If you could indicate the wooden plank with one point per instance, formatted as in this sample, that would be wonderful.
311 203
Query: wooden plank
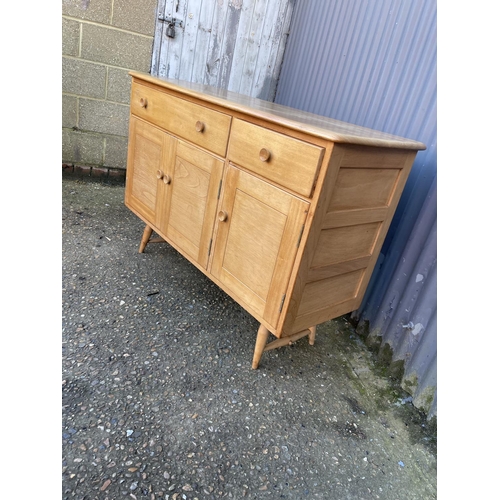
229 42
353 217
213 62
204 26
356 157
324 272
282 31
244 39
268 46
252 46
157 40
345 243
322 294
322 315
359 188
187 37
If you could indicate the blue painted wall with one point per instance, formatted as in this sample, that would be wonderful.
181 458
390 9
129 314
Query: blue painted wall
374 64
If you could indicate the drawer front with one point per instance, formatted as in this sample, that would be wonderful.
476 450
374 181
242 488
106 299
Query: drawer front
285 160
202 126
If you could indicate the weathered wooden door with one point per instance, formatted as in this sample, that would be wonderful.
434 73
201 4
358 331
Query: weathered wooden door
236 45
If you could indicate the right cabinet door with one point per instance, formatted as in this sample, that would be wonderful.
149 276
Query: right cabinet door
257 237
193 178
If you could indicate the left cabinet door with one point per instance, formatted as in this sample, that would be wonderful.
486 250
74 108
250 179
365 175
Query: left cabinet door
174 187
147 164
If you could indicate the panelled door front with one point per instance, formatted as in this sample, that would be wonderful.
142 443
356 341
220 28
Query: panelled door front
193 183
147 159
259 227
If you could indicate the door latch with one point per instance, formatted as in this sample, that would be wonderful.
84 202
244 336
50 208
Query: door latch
171 22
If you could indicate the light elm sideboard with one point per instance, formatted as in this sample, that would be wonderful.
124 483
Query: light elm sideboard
284 210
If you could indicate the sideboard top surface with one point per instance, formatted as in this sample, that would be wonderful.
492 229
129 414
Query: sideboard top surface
316 125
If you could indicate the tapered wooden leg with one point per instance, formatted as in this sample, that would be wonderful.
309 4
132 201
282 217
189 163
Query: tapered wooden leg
260 344
312 335
145 238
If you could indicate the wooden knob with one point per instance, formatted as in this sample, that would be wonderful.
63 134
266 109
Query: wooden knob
222 216
167 179
143 102
264 154
200 126
159 174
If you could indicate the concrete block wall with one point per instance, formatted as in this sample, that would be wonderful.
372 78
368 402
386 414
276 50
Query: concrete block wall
101 41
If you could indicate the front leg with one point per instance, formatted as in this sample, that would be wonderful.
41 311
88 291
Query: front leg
260 344
312 334
145 238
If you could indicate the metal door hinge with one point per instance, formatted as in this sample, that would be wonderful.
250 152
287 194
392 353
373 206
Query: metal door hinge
282 302
300 235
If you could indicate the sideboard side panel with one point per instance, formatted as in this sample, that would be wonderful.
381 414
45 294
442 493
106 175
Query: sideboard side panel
323 192
360 207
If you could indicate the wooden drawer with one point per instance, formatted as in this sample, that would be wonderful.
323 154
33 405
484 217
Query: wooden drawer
202 126
290 162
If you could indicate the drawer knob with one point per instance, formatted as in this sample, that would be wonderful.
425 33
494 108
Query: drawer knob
159 174
222 216
143 102
167 179
200 126
264 154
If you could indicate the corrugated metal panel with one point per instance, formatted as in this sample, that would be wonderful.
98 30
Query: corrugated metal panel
374 64
403 314
232 44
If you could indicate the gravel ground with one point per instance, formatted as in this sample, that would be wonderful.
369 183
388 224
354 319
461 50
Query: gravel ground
160 401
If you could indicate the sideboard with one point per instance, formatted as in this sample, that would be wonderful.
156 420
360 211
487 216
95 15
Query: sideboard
284 210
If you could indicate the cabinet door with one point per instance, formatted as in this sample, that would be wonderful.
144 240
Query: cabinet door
191 201
258 231
147 161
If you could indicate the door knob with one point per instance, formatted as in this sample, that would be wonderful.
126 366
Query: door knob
264 154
